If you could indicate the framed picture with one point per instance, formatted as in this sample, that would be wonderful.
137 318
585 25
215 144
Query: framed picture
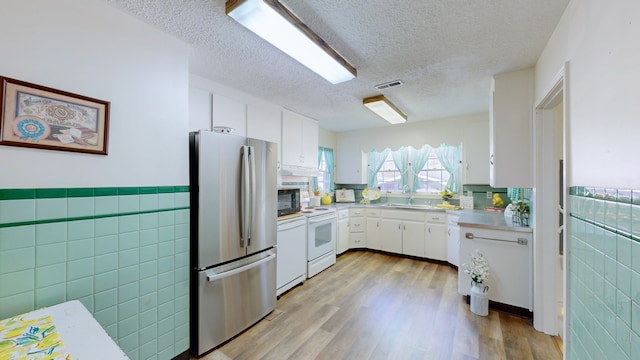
40 117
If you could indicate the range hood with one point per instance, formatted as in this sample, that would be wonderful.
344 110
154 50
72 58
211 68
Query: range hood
288 170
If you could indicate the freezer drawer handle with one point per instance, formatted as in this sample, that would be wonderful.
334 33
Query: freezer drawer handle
521 241
240 269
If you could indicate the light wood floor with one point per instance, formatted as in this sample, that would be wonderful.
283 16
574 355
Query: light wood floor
376 306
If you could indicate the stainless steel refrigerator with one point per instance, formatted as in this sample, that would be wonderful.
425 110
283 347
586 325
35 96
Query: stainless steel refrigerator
233 182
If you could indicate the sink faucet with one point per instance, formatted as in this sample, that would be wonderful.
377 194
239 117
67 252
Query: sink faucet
407 190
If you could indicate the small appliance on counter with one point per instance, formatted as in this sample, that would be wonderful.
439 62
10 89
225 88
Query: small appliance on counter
345 196
288 201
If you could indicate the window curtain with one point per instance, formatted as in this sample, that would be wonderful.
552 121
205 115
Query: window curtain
449 157
419 158
376 160
401 159
328 157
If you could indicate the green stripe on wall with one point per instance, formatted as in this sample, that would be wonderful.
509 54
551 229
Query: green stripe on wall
92 217
25 194
17 194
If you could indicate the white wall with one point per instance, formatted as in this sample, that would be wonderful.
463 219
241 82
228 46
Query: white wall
90 48
327 139
470 130
599 40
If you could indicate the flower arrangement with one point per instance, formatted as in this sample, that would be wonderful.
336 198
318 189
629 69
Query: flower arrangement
367 195
446 194
478 270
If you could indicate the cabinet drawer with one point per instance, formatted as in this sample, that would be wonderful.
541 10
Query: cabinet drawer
357 240
436 217
343 214
356 224
373 212
356 212
413 215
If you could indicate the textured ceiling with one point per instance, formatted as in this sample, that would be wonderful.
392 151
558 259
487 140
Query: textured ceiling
445 52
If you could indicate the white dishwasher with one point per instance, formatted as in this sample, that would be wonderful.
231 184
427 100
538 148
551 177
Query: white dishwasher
291 267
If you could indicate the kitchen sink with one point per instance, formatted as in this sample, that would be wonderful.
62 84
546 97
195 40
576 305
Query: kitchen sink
410 206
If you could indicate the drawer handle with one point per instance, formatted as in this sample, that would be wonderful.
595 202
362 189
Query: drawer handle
520 241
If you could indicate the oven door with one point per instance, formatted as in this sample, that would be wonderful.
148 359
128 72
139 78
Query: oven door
321 235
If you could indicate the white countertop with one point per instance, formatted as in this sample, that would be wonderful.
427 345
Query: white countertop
489 220
81 335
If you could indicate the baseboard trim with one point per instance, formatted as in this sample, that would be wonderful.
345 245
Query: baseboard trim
506 308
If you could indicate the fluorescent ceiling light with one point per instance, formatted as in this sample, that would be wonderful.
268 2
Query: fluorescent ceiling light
273 22
385 109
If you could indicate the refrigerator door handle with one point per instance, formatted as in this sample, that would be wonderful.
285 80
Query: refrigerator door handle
240 269
252 210
245 223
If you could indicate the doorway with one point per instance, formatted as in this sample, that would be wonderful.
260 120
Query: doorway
550 194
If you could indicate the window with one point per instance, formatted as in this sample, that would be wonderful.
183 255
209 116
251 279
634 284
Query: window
389 177
324 179
433 177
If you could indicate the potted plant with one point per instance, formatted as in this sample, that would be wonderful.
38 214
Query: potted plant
521 210
478 270
446 195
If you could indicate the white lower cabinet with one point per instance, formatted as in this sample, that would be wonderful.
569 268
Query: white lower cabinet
509 254
435 237
372 230
453 240
403 232
413 238
342 244
291 264
391 236
410 232
357 237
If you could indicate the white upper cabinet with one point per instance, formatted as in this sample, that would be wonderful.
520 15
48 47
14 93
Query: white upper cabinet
475 165
299 141
351 164
510 132
230 113
264 123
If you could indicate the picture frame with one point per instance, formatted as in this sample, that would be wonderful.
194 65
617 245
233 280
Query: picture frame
36 116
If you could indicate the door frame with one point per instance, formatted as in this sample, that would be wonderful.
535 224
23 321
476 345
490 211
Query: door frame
544 193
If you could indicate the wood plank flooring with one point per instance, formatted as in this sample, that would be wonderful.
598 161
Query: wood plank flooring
376 306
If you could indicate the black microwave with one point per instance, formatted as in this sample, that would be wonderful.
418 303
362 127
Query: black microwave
288 201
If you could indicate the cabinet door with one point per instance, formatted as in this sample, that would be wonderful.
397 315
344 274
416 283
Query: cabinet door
391 236
343 236
436 242
510 135
356 224
413 240
373 234
291 139
310 134
264 122
476 153
357 240
453 245
351 164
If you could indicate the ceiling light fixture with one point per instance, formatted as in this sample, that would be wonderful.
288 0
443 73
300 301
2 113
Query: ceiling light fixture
385 109
273 22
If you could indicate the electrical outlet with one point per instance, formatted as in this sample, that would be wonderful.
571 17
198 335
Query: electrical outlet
489 195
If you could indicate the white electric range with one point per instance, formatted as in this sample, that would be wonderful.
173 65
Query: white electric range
321 238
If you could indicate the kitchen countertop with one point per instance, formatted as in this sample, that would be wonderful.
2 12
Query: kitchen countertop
489 220
468 218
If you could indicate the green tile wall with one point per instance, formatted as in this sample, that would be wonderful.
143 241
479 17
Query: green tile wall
123 252
604 274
